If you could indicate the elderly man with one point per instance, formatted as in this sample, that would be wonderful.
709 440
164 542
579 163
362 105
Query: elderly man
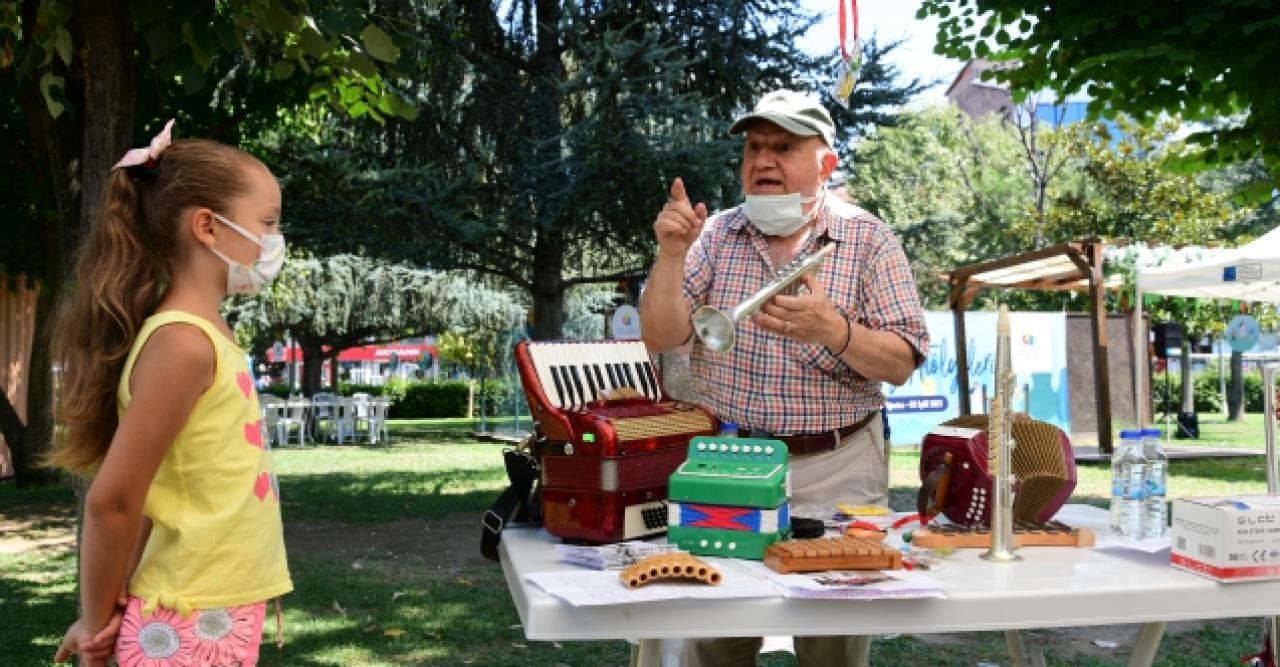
807 368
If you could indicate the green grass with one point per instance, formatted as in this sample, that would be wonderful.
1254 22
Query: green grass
1216 431
406 609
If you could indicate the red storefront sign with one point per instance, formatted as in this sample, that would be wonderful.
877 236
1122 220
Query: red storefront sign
382 353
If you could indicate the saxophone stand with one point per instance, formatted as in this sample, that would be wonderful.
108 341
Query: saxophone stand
1271 634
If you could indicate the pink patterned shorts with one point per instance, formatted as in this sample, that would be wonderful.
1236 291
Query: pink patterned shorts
207 638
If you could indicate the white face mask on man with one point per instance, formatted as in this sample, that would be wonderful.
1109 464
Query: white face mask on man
778 215
251 278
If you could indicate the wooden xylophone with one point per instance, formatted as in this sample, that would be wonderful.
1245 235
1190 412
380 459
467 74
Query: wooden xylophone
1025 534
831 553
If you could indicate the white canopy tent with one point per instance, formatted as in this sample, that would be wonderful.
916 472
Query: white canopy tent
1248 273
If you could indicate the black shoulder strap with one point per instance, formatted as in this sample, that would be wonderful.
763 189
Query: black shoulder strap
519 502
928 502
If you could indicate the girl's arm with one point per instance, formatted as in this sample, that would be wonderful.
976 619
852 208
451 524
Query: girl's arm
103 644
176 366
140 546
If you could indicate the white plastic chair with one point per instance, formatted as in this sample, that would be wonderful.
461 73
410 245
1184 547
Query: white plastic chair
273 412
322 404
377 420
361 412
296 416
342 421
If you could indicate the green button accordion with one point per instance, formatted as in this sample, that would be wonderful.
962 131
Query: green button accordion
730 497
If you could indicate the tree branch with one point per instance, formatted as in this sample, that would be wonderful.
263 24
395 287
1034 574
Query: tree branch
509 273
612 277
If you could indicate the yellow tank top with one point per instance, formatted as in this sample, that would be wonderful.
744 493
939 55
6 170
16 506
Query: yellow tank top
217 539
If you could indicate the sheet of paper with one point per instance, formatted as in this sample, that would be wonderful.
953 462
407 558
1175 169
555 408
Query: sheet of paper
1149 545
592 588
900 584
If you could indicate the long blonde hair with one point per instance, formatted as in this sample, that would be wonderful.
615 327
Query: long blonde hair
122 269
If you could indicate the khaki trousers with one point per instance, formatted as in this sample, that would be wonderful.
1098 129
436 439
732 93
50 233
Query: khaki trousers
856 472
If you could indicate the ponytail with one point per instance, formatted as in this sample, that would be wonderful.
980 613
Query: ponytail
121 273
117 286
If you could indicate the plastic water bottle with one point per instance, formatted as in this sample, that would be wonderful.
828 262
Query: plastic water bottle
1133 487
1157 479
1128 438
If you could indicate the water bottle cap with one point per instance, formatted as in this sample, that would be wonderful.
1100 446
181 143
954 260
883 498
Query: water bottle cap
1130 434
1154 432
729 427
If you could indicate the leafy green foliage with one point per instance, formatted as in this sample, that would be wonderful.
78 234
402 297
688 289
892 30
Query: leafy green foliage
1208 394
429 400
1208 61
342 48
549 134
462 350
948 187
349 297
1126 194
959 191
330 304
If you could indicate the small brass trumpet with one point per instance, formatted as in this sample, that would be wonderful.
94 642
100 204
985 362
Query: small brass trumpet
717 329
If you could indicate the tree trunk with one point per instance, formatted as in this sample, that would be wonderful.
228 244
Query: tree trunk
107 38
80 146
1235 392
1188 385
547 113
333 370
312 366
548 286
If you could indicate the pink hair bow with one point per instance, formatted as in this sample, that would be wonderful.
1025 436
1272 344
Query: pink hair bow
148 155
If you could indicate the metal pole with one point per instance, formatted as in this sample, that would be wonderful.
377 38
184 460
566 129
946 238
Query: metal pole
1222 378
1269 423
1140 358
288 356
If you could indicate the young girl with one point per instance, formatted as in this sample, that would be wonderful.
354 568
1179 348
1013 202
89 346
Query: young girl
182 542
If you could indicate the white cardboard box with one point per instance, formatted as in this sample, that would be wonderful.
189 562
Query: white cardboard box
1228 538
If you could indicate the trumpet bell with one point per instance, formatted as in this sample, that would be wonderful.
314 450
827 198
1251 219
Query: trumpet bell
714 328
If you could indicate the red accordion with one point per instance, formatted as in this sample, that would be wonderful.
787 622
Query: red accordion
956 481
608 438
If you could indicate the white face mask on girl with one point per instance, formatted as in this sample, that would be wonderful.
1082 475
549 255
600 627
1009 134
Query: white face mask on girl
778 215
251 278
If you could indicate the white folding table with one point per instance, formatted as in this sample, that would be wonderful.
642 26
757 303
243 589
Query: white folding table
1052 587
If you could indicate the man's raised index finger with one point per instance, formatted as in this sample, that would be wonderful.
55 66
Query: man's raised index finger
677 190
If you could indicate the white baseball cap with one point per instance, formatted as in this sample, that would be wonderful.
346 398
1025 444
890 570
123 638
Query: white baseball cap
797 113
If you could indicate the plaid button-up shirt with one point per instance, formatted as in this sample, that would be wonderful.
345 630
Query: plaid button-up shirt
783 385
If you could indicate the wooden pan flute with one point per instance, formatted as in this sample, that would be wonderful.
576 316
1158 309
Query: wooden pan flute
672 566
